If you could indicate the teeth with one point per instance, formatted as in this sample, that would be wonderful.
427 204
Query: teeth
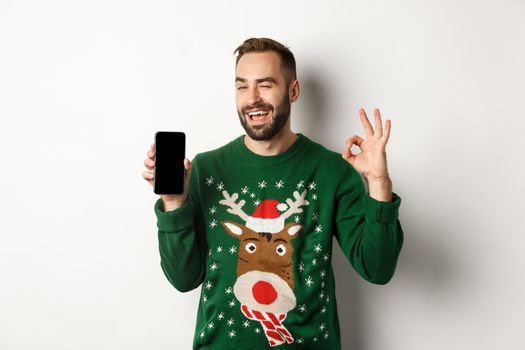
256 113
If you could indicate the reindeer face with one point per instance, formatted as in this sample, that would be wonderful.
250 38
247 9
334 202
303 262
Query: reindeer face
264 267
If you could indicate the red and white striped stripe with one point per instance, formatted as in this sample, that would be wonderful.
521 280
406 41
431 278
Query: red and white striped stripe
276 333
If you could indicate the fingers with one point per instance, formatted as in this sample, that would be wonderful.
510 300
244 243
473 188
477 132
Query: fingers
151 152
354 140
148 176
378 130
369 131
149 163
388 126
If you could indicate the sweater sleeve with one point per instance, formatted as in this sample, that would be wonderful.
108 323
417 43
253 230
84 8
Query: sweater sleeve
181 239
368 230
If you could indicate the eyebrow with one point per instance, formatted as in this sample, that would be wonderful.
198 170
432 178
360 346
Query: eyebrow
250 239
280 240
261 80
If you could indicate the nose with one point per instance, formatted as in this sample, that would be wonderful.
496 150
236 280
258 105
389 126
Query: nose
253 96
264 293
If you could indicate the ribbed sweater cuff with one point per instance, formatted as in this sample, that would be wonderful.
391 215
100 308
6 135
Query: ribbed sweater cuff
174 220
383 212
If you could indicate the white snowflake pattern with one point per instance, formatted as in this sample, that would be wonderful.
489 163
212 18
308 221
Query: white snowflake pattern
202 334
301 266
211 325
245 190
252 195
312 185
246 324
314 261
233 249
220 187
323 284
262 184
309 281
315 216
326 257
300 341
279 184
319 228
231 303
220 316
204 298
314 197
322 326
296 219
209 285
214 266
300 184
323 274
213 210
228 290
315 339
232 334
257 330
318 248
325 335
256 202
209 181
213 223
219 249
323 310
328 299
321 295
230 322
302 308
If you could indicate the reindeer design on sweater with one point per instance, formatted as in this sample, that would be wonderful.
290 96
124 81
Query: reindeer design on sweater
265 281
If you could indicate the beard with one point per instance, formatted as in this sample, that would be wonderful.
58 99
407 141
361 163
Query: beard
280 116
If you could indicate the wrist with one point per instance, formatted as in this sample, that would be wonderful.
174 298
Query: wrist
172 204
380 189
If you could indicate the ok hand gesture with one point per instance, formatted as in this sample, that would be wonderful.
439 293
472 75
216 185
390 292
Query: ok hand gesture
371 162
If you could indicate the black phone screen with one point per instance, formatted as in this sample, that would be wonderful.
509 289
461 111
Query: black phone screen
169 162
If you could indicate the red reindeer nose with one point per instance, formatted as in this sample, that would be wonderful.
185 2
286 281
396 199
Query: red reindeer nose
264 293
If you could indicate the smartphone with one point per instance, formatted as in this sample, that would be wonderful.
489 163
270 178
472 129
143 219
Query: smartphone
168 175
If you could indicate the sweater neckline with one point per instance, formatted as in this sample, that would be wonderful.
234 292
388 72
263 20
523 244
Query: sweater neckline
257 159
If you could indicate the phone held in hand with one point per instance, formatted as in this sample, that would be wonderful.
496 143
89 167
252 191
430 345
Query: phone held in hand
168 176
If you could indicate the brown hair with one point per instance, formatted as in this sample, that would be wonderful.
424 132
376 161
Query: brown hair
267 44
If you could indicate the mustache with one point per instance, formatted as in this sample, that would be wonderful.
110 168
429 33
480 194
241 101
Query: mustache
260 105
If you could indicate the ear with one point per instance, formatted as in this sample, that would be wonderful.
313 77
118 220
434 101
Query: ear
233 228
295 89
293 229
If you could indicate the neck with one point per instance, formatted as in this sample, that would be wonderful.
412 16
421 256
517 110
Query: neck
278 144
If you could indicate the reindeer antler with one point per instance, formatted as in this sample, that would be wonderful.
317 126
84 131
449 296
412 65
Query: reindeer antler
295 205
235 208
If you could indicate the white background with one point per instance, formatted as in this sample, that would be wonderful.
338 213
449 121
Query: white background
84 85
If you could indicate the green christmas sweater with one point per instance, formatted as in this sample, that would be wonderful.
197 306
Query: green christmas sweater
256 233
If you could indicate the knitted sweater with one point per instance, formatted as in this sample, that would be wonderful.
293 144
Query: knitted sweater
256 232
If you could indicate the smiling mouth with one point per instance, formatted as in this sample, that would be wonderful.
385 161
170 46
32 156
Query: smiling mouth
259 115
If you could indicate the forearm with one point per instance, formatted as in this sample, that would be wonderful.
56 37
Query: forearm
379 250
181 249
182 261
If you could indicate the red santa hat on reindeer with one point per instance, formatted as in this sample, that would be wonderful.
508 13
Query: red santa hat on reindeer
267 217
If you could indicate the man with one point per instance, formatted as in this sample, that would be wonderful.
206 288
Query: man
256 221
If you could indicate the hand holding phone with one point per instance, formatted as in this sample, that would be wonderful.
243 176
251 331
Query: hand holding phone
168 171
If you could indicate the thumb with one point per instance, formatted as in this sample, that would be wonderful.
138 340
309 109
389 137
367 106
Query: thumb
187 164
187 167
